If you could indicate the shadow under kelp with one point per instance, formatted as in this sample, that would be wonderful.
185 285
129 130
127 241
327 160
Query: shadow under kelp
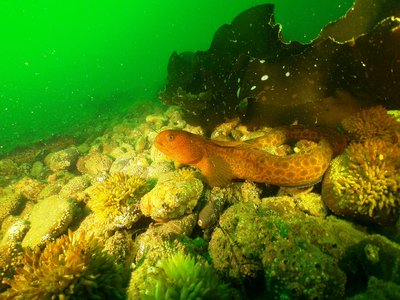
250 72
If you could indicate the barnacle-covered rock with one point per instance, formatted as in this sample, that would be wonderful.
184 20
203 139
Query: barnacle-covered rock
311 203
62 160
158 237
75 187
130 164
29 188
156 169
94 163
174 195
10 249
363 183
49 218
10 203
156 120
372 123
72 267
51 190
218 198
120 247
15 233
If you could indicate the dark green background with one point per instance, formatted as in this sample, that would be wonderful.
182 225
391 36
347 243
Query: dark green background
65 63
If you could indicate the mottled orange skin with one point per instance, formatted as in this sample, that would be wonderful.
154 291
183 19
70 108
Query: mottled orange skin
220 162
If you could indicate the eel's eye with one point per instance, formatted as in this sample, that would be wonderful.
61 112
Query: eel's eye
170 137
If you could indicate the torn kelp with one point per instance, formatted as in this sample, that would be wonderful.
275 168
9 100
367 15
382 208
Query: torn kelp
250 72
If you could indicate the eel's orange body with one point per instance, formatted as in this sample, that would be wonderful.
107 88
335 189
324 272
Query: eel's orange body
220 162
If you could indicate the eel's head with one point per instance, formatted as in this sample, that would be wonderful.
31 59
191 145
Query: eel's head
181 146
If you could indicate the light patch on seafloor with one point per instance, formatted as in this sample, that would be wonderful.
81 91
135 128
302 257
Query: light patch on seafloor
253 88
264 77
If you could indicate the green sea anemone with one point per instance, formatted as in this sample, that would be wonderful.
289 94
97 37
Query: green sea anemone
372 123
72 267
180 276
364 182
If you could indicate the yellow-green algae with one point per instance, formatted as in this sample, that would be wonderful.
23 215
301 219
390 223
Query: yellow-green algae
10 203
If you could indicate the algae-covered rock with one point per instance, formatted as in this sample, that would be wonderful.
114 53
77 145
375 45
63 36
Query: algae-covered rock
38 170
374 256
15 233
75 187
379 290
8 171
311 203
302 272
94 163
174 195
296 254
130 165
10 203
29 188
120 247
49 218
62 160
157 243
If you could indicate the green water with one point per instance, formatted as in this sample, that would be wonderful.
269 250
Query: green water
65 64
